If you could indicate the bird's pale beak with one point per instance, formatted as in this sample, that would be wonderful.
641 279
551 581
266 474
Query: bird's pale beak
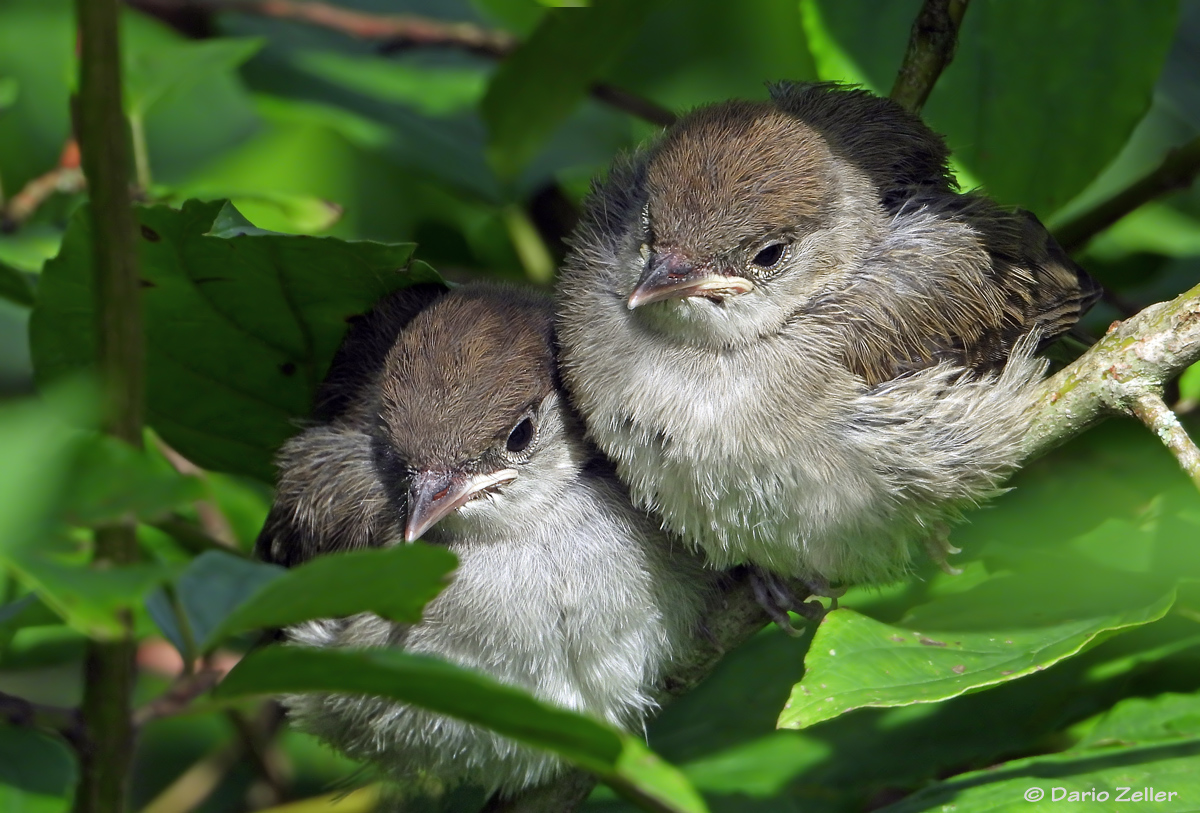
434 495
668 276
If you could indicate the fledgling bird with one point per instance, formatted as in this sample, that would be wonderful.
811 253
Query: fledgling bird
442 418
801 346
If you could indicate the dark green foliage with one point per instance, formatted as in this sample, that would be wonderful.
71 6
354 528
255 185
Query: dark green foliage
1067 654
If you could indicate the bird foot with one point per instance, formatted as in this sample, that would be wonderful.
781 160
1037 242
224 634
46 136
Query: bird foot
938 546
775 595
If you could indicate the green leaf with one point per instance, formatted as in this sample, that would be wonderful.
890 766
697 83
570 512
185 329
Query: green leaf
37 772
240 324
1004 629
442 687
160 68
224 595
15 285
1154 228
542 82
994 102
1189 383
432 90
112 481
39 443
1140 720
1170 769
212 587
92 601
9 90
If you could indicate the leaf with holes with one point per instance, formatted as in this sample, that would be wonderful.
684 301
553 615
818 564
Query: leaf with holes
241 324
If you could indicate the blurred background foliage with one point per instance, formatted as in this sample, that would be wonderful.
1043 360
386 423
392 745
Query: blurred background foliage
479 153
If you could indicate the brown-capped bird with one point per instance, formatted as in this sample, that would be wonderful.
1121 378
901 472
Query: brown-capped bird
441 418
800 345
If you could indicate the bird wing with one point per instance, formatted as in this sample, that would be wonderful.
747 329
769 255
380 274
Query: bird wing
957 279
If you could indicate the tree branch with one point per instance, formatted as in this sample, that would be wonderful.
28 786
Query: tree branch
21 713
1177 171
1123 374
931 47
398 32
109 667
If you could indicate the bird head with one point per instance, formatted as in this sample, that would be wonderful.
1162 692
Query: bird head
747 214
471 431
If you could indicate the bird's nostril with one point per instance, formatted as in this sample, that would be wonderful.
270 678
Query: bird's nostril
441 493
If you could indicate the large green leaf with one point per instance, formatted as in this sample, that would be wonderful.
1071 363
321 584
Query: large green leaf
93 601
1139 721
620 759
540 85
240 324
1004 629
154 70
1158 777
224 595
37 772
1028 128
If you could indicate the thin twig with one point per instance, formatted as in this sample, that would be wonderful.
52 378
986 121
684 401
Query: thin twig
21 713
110 670
931 47
67 178
1152 410
212 518
179 696
1177 171
398 32
256 738
191 788
1135 359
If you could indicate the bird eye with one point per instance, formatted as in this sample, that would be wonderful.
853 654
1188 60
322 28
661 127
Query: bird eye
520 437
770 255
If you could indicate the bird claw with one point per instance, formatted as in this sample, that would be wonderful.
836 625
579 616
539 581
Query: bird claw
777 598
938 546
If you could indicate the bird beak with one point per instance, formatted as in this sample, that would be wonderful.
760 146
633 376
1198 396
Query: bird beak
434 495
669 276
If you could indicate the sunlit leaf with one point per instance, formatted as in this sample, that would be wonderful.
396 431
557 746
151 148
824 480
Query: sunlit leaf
1006 628
1046 783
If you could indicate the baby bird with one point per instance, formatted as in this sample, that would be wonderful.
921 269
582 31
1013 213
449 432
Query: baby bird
802 348
442 419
